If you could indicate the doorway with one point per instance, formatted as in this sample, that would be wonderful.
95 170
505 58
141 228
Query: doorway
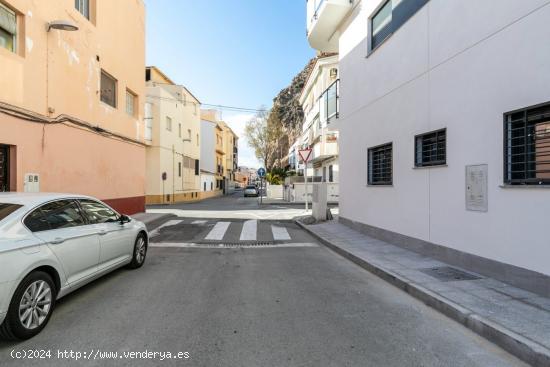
4 168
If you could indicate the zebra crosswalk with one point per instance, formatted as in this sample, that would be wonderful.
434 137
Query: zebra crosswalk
210 232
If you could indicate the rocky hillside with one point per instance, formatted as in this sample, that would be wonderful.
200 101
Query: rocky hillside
286 106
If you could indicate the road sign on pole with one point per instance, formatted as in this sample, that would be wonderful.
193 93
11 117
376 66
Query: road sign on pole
261 172
305 154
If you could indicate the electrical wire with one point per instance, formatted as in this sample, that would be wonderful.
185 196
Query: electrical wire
63 119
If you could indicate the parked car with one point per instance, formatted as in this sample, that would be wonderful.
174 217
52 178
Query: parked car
250 190
52 244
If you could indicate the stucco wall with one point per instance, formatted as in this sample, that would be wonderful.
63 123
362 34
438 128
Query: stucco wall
71 160
168 148
457 65
69 82
208 146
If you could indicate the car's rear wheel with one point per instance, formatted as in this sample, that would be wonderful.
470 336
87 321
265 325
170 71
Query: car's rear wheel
140 252
30 308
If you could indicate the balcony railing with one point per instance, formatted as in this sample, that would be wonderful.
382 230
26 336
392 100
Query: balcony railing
329 103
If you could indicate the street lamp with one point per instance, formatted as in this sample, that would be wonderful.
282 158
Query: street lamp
62 25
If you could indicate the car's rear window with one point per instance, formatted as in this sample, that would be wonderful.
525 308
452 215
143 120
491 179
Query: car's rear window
7 209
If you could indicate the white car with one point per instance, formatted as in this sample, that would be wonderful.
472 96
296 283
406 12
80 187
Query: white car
250 191
52 244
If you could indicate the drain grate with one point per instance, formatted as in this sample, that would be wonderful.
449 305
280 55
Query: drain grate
238 244
448 274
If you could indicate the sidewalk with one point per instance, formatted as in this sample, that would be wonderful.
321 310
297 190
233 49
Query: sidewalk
516 320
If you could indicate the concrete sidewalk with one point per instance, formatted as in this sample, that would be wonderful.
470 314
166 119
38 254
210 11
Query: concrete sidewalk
516 320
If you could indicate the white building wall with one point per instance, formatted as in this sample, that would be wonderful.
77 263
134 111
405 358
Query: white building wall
208 182
208 146
457 65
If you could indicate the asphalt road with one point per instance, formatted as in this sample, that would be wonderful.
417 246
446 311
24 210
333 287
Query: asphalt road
291 303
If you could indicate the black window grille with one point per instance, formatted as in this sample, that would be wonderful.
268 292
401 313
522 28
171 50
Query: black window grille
431 149
527 146
380 170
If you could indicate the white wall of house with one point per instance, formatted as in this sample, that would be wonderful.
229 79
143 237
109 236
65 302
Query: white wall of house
458 65
208 182
208 146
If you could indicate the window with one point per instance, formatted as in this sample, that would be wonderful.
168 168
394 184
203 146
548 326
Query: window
189 134
380 170
7 209
130 103
211 186
527 146
8 29
204 186
330 173
97 212
179 169
108 89
389 17
324 174
197 168
179 130
168 123
198 140
36 222
83 6
431 149
55 215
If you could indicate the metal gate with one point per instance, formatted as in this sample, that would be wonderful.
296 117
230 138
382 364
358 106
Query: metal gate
4 170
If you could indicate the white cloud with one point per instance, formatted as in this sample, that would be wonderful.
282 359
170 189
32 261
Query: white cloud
246 153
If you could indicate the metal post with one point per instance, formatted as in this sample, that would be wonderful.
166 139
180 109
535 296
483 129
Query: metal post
306 186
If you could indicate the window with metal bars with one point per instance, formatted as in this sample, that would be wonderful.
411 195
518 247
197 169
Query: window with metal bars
527 146
380 171
431 149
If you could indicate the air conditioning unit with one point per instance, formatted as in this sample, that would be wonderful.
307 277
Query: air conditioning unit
334 73
32 182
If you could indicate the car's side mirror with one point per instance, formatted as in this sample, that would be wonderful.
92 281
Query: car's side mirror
124 219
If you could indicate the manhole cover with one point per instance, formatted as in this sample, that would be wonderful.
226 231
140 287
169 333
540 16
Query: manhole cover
449 274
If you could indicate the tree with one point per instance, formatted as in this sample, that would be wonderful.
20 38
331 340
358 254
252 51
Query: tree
262 136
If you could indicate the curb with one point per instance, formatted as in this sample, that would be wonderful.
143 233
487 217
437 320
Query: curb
521 347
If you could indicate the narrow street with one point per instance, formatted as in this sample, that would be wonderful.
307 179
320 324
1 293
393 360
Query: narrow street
235 291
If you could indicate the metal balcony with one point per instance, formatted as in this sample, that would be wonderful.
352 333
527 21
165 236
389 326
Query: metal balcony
323 18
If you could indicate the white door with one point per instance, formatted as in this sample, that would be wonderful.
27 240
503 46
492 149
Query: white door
76 245
117 242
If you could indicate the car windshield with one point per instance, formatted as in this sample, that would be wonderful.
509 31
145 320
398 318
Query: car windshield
251 187
7 209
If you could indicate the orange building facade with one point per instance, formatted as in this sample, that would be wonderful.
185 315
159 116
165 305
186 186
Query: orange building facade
72 87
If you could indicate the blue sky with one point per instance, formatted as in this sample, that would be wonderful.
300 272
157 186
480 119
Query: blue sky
237 53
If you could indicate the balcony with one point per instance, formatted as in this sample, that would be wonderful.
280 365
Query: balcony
323 18
326 148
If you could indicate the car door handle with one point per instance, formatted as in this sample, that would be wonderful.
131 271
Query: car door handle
57 241
102 233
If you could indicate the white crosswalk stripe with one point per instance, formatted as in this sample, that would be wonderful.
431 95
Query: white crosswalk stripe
249 231
280 233
218 231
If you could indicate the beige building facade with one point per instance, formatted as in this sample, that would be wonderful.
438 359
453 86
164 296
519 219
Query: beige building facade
173 125
71 96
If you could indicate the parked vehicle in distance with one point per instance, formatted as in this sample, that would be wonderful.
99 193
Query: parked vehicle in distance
250 190
52 244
